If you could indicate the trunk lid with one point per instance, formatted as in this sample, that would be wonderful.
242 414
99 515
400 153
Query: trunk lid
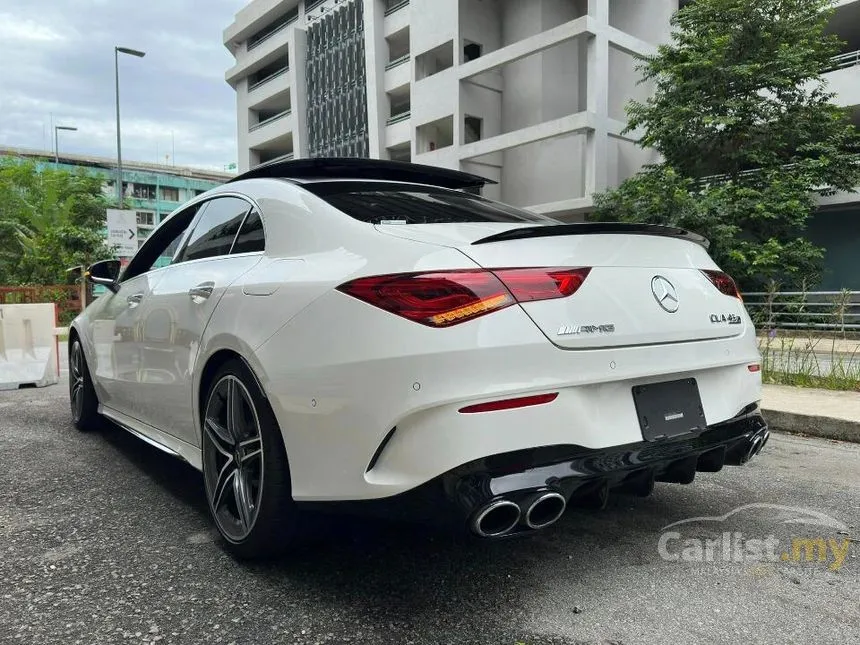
645 285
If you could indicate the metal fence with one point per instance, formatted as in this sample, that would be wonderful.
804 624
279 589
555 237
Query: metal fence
822 310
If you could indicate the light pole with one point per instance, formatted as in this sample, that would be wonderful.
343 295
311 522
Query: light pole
57 128
116 52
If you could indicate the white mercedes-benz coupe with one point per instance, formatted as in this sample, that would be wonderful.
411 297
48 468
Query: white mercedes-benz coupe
376 337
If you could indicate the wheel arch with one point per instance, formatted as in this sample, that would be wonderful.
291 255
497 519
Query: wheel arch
212 364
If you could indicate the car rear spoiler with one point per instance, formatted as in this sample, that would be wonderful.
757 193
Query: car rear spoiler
373 169
594 228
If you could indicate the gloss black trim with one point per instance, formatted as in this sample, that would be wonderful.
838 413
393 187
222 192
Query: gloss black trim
584 476
355 168
380 448
594 228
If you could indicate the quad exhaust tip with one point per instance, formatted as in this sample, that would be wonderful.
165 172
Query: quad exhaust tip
496 518
545 510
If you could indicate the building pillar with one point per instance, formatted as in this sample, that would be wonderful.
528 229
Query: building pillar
297 52
375 56
597 104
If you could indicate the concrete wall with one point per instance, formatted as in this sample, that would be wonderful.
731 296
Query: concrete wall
846 84
433 22
646 20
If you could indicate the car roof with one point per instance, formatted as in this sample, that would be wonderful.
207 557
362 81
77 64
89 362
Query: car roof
328 168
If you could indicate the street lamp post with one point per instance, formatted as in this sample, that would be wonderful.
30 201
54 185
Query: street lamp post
116 52
57 128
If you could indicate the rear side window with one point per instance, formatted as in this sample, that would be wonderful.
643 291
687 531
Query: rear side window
216 229
251 237
409 204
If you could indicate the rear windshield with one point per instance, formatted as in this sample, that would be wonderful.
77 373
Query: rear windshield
399 204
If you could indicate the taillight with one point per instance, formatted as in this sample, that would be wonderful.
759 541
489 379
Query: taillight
445 298
542 284
723 282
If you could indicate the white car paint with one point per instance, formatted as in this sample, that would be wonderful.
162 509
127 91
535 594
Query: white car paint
340 373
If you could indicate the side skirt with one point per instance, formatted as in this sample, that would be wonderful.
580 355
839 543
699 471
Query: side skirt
155 437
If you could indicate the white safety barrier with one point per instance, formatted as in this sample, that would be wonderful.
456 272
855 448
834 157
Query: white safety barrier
28 345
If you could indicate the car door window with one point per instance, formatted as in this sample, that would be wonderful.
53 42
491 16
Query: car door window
160 248
251 237
216 228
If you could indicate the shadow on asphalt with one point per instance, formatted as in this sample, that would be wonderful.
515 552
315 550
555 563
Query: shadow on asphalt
391 572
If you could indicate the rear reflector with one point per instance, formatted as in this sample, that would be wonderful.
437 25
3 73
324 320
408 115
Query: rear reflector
509 404
445 298
755 367
723 282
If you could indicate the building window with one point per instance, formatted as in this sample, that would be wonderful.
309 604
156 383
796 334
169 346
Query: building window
142 191
435 60
145 218
169 194
267 73
471 51
197 192
435 135
472 131
272 28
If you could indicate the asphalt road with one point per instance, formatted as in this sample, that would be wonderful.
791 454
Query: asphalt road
104 539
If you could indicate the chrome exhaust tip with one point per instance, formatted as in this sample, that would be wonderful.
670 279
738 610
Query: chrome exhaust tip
546 509
496 518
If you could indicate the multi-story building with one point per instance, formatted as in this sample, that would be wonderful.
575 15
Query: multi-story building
836 226
152 190
530 93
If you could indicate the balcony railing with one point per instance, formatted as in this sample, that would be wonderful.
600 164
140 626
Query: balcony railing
394 5
284 157
263 81
259 40
265 122
851 59
397 61
397 118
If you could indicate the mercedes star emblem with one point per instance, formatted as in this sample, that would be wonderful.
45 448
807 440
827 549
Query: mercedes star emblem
664 293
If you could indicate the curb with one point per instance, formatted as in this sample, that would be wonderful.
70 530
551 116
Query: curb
813 425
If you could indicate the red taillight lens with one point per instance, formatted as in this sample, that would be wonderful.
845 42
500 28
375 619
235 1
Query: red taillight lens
438 299
444 298
510 404
723 282
542 284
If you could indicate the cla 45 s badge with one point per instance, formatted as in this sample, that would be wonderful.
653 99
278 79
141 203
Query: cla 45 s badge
727 319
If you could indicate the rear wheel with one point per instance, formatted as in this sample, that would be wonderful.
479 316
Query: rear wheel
245 467
82 395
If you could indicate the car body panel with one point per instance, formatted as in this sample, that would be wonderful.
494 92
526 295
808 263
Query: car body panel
340 373
347 391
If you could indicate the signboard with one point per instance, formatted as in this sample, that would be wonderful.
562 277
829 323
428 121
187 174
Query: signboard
122 231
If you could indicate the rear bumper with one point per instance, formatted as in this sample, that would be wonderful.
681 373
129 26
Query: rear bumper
583 476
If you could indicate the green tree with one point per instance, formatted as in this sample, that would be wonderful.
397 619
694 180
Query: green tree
50 220
748 134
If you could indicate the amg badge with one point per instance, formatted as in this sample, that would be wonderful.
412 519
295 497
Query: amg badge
728 319
576 330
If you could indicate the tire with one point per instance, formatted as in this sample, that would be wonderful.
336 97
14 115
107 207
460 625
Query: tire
251 505
83 401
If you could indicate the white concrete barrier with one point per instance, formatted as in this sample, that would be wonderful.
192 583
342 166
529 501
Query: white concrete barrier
28 345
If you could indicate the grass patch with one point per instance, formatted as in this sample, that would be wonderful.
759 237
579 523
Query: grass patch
812 361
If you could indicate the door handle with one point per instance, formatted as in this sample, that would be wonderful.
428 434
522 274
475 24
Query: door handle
201 291
134 299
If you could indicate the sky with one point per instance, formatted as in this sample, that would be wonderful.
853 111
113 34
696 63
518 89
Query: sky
57 64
